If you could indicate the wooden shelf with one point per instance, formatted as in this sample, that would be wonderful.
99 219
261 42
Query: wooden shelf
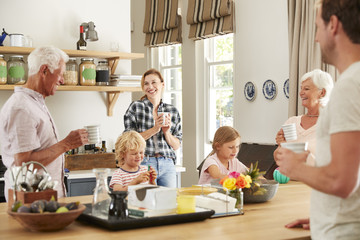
113 59
112 92
85 88
75 53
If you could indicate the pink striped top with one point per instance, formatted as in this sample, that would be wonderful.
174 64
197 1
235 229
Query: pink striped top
124 177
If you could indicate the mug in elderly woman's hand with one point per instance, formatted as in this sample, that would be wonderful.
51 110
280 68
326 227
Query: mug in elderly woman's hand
289 131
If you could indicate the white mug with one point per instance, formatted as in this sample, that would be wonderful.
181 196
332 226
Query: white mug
297 147
289 131
164 114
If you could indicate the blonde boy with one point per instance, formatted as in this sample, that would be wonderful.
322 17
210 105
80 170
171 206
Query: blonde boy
129 151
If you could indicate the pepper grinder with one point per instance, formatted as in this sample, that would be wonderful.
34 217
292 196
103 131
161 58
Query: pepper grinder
118 206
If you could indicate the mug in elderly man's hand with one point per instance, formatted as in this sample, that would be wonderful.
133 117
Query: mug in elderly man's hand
297 147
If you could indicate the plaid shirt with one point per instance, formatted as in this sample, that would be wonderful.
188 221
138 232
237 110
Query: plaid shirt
139 118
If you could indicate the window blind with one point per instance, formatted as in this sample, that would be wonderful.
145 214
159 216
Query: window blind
162 23
209 18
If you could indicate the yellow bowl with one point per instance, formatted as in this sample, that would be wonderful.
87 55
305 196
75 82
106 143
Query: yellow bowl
196 190
47 221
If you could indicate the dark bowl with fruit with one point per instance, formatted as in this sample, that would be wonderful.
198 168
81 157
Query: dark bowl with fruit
43 215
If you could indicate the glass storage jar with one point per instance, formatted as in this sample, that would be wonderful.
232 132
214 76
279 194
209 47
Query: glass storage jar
3 70
16 70
87 72
102 73
71 72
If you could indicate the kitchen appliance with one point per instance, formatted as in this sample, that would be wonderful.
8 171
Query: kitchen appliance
17 40
2 38
90 33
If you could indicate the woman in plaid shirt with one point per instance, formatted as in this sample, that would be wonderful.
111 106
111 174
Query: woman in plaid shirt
162 132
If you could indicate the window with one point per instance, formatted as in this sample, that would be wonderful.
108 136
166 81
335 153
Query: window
170 68
219 83
168 61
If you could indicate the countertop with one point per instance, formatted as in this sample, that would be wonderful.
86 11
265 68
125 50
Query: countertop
260 221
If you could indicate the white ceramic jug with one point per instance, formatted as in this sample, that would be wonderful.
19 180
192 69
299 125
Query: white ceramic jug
17 40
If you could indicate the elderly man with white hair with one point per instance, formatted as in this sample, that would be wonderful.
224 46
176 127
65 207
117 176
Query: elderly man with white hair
27 130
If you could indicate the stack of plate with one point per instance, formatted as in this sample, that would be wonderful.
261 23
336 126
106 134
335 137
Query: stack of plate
125 80
94 134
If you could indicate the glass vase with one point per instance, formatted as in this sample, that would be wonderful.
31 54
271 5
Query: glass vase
101 197
239 196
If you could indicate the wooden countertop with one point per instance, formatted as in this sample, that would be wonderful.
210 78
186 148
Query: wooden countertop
260 221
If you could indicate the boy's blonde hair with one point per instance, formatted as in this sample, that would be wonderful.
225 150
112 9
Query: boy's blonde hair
223 135
128 141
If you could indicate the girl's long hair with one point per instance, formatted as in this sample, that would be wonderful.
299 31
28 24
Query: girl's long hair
223 135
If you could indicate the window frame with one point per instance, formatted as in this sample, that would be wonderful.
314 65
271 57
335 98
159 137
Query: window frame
157 56
209 53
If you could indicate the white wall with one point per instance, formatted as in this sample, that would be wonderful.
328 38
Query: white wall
57 23
261 53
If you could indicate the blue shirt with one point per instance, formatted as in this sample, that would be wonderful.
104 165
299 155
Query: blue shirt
139 117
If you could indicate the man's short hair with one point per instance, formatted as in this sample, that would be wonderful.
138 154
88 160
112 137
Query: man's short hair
50 56
348 13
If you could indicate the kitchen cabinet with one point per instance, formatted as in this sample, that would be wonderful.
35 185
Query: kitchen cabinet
113 58
81 186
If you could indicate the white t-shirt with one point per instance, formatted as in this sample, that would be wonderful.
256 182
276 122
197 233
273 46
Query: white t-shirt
234 166
332 217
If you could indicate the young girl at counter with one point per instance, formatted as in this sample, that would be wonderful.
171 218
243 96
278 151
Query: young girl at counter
222 160
129 151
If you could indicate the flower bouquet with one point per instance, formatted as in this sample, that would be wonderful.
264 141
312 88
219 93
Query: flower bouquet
235 182
255 175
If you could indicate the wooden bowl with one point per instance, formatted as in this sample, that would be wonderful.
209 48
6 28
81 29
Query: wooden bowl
47 221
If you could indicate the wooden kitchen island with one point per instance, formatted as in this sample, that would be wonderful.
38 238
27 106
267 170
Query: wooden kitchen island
260 221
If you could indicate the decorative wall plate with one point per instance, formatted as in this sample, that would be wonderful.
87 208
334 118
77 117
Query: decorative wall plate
286 88
269 89
250 91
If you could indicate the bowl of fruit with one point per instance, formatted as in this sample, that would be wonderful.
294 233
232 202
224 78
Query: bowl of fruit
42 215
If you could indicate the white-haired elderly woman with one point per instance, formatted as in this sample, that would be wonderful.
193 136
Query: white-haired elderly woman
316 87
